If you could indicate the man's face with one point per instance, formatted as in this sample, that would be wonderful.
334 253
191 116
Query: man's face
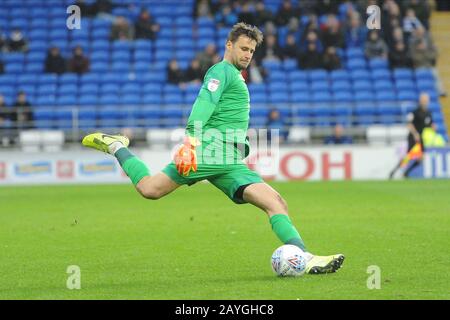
424 101
241 52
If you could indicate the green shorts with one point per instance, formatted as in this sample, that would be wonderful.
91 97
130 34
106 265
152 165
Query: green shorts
227 178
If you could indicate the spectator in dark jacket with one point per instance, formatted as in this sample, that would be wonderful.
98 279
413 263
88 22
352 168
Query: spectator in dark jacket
79 63
193 73
290 50
146 27
174 73
54 62
246 15
332 34
375 47
331 60
22 115
311 58
285 13
2 67
338 136
262 15
399 57
355 35
17 41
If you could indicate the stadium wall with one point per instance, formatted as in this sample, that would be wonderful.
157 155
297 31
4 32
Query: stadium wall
309 164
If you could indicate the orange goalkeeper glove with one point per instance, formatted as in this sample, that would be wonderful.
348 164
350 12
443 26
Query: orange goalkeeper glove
186 157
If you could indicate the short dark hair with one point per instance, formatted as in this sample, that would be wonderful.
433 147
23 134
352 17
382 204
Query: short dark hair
243 29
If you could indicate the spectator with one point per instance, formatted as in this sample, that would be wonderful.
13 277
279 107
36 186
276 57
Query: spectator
270 49
410 23
355 35
338 136
422 56
332 34
262 15
4 113
102 9
79 63
285 13
275 122
255 73
202 8
54 62
193 73
421 9
327 7
2 67
208 57
174 73
375 47
85 9
22 116
146 27
421 34
331 60
5 122
121 30
395 37
246 15
17 41
399 57
311 58
312 37
226 17
290 50
3 45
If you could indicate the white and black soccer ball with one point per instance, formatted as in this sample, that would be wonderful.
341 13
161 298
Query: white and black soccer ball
289 261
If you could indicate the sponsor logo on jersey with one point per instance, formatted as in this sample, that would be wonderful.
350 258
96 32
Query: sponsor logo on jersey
213 85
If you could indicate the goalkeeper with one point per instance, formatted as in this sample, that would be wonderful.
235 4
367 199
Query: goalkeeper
209 152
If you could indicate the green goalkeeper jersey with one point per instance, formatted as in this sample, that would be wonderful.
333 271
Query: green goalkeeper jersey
220 114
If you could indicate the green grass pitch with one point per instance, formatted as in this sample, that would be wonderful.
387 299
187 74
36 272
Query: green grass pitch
196 244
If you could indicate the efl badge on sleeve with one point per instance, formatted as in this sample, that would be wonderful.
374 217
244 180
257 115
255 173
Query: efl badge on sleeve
213 84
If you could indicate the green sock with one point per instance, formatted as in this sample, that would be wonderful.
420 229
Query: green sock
132 165
285 231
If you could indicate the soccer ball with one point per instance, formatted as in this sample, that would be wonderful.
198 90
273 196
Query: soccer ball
289 261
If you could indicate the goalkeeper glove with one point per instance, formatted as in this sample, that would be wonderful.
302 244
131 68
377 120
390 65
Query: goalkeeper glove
186 156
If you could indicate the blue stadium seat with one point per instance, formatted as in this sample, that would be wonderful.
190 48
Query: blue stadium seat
99 56
152 99
99 66
89 88
297 86
361 96
424 73
322 97
297 97
341 85
278 87
90 78
362 85
45 100
173 99
343 96
386 95
402 74
426 84
378 63
142 55
389 109
356 64
318 75
381 85
320 86
337 75
256 87
29 78
88 100
131 89
278 97
67 89
130 99
407 96
47 89
357 75
352 53
298 75
405 85
109 88
67 100
381 74
68 78
38 57
100 45
258 97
